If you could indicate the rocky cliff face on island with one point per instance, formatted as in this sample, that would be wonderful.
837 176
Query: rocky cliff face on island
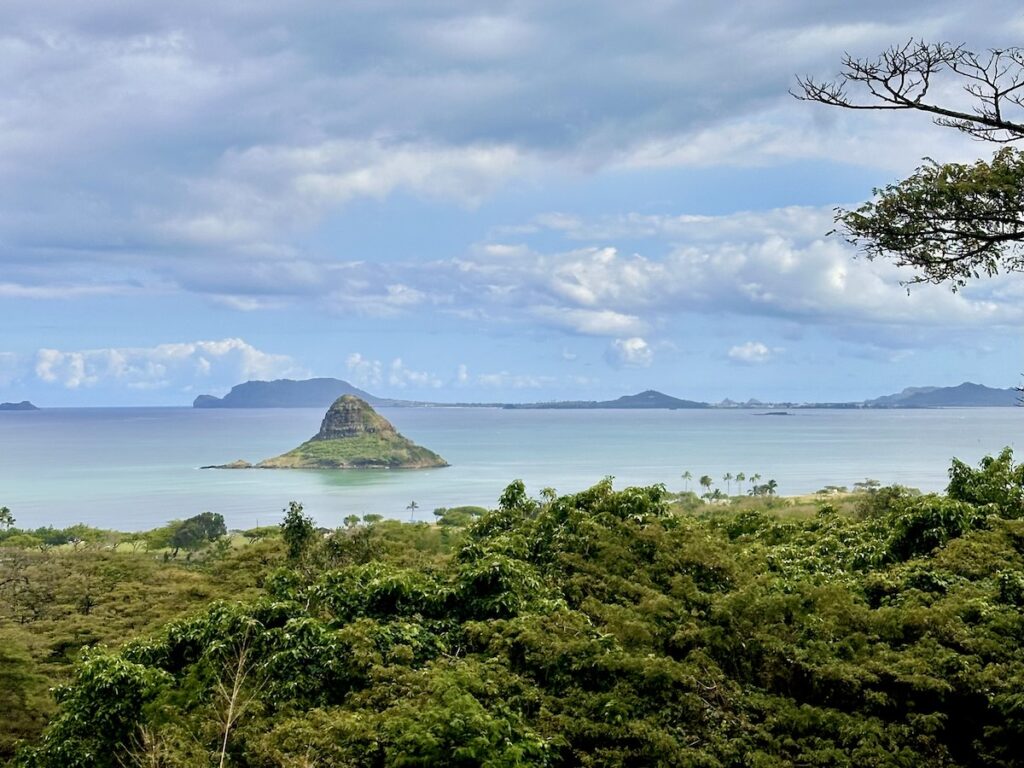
352 417
352 436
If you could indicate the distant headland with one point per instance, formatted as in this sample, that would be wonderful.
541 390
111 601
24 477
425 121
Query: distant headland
647 399
352 436
321 392
289 393
24 405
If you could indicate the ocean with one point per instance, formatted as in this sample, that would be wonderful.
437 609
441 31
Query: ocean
137 468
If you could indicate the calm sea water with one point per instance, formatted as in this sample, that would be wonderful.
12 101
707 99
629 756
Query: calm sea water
134 468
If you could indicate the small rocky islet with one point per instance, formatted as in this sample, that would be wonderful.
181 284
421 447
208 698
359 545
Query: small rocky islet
352 436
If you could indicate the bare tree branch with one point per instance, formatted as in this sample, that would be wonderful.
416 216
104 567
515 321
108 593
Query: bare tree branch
902 77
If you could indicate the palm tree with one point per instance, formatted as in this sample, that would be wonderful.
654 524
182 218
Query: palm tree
771 485
687 476
728 482
705 481
740 478
753 483
412 507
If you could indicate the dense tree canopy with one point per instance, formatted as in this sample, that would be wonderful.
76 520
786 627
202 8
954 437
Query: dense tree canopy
603 628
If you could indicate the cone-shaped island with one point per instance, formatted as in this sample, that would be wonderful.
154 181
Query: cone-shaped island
352 436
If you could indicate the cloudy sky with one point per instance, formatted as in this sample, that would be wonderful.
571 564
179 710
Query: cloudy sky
466 201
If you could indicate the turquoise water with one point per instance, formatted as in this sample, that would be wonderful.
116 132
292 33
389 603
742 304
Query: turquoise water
134 468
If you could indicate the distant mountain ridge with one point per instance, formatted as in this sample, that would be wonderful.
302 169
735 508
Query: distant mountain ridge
24 405
648 399
322 392
289 393
964 395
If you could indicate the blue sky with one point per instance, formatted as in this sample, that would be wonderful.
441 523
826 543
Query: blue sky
466 201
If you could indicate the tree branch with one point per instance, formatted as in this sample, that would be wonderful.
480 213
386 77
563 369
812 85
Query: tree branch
901 77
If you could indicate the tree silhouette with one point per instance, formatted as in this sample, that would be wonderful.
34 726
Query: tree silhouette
687 476
412 507
727 477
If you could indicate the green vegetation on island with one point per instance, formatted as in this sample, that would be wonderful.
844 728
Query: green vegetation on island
601 628
352 436
358 452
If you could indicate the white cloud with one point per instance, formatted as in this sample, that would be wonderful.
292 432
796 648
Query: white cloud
184 150
56 291
400 376
633 352
374 373
774 264
216 363
752 352
590 322
506 380
192 184
789 132
262 191
364 372
462 374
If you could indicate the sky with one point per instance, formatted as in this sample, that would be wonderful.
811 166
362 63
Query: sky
454 201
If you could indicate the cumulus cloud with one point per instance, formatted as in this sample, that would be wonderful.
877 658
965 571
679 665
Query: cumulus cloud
210 363
752 352
633 352
399 375
374 373
772 264
364 372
